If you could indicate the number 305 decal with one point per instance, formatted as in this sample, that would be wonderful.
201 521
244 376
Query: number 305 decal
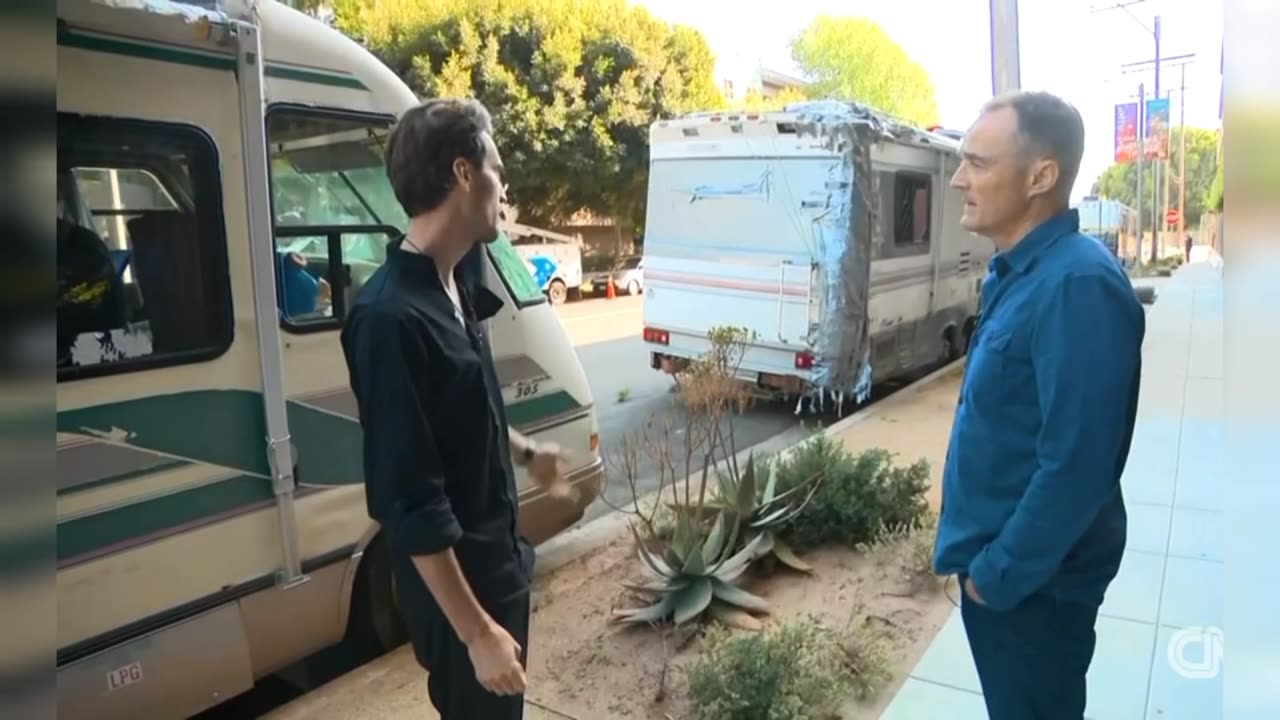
524 391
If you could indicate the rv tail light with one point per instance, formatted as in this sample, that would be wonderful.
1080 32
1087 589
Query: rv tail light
595 441
804 361
660 337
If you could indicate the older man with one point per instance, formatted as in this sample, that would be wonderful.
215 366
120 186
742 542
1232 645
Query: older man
1033 520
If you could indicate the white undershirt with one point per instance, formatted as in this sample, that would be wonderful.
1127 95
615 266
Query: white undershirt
457 304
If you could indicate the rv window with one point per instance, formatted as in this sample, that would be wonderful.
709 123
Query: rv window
141 247
335 211
910 213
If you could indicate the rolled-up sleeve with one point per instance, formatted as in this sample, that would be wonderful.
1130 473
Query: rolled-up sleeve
1086 348
404 478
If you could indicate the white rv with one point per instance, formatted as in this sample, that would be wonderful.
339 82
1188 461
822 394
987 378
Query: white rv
221 198
827 230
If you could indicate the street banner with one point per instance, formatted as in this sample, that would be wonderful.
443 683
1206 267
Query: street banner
1157 144
1127 132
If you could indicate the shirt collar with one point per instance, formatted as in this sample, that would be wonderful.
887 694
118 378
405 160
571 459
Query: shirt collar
422 269
1020 256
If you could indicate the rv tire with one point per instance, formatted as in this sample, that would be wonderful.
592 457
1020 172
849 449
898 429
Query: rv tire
967 336
375 626
951 348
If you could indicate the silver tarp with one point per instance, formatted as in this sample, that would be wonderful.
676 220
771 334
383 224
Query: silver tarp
841 342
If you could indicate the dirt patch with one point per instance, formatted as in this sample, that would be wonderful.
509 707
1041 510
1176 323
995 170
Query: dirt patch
583 667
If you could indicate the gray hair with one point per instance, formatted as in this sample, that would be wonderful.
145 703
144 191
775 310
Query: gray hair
1048 125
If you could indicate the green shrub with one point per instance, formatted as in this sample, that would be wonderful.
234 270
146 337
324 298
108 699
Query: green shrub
798 670
859 495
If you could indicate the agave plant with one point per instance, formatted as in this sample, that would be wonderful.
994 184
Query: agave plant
695 573
770 511
761 514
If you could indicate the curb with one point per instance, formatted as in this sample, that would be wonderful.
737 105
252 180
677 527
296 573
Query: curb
585 539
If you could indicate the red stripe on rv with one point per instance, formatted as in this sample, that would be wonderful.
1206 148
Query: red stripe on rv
724 283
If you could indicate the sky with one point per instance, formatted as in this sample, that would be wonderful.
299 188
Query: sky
1065 48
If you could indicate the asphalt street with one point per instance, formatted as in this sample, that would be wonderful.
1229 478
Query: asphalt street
629 395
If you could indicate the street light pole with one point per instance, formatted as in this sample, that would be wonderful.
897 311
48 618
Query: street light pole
1142 151
1182 158
1155 166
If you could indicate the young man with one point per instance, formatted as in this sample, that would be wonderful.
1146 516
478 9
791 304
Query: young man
1033 520
437 450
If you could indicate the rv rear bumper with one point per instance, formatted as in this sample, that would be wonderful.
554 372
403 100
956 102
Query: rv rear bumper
771 367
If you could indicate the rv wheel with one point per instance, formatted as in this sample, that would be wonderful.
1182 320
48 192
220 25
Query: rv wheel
951 350
633 288
375 625
967 336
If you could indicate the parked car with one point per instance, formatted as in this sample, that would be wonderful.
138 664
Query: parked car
627 276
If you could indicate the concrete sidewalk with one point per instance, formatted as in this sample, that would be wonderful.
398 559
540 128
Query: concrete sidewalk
1163 613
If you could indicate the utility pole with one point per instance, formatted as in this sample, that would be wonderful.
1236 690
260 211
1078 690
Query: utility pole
1157 211
1006 66
1155 195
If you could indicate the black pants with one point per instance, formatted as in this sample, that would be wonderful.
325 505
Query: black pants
451 680
1032 660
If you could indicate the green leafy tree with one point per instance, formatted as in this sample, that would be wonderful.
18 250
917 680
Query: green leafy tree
1120 181
854 59
1214 198
573 86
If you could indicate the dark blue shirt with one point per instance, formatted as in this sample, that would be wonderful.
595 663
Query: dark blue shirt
1031 499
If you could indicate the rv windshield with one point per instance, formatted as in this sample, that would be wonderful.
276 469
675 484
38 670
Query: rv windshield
515 272
328 169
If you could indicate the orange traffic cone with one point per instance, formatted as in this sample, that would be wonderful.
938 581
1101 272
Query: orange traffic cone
609 292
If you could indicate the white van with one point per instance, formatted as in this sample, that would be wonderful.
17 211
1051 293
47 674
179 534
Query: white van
554 260
222 197
826 229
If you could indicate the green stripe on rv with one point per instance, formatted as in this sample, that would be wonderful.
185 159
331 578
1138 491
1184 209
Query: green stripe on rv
100 531
207 60
328 444
226 428
315 77
230 430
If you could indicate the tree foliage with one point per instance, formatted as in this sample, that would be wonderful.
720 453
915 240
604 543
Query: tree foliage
573 86
1214 198
855 59
1120 181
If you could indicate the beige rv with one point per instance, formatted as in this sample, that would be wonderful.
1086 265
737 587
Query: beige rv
221 198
